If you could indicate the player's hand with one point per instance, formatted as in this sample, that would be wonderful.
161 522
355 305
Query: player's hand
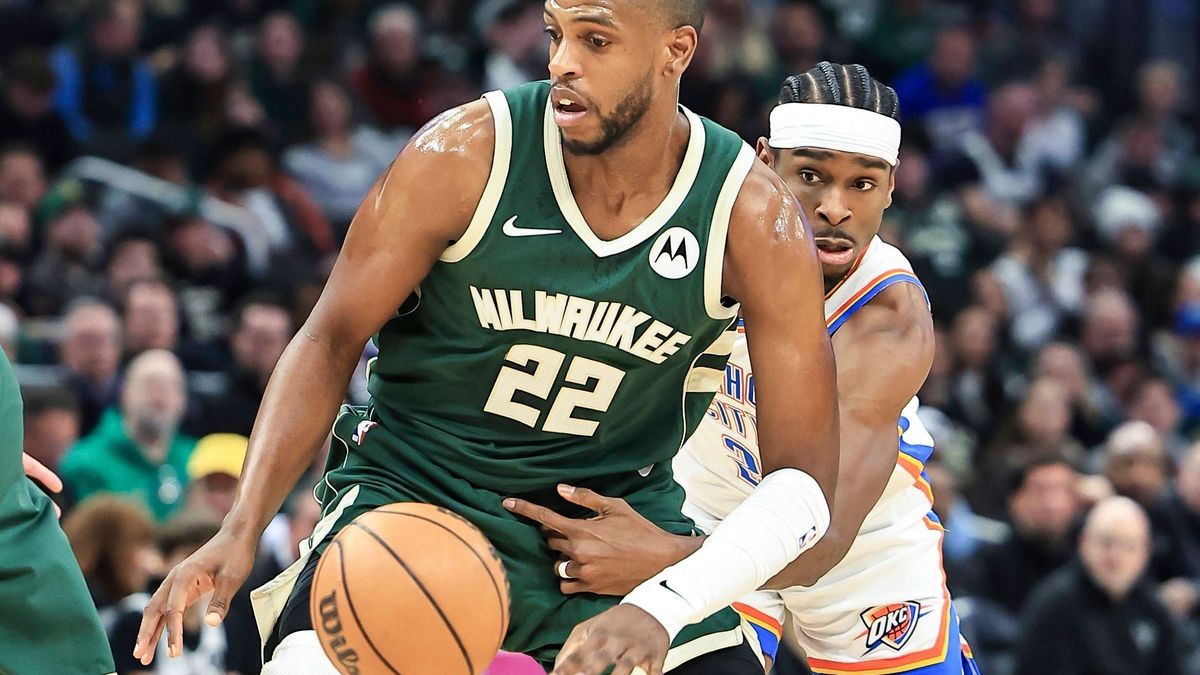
220 566
38 471
609 554
624 636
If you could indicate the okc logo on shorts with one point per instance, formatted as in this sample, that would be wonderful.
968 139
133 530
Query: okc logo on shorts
360 431
890 625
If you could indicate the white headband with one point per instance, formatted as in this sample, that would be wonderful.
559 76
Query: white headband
835 127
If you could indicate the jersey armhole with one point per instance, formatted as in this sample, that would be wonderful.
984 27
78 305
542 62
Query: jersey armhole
718 234
486 210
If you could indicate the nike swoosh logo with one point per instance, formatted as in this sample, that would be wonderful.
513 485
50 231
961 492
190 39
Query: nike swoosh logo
663 583
511 229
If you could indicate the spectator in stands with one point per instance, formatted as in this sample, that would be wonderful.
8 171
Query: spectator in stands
262 329
1136 153
1094 411
90 352
151 317
72 247
1100 615
943 95
205 647
966 531
391 82
515 35
1154 403
799 38
1019 47
195 89
27 111
1042 276
213 472
15 235
1110 332
977 395
1136 463
903 32
107 91
132 256
1056 139
137 449
22 176
113 541
1160 90
342 159
51 423
276 76
209 268
1176 554
1043 504
1129 223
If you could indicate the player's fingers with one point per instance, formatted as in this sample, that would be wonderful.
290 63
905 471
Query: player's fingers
38 471
586 498
177 602
224 588
152 623
573 586
540 514
562 545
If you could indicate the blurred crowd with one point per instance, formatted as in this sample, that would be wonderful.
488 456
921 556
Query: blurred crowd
176 177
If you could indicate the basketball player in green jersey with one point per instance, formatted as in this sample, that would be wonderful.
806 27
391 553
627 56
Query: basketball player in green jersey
49 623
551 275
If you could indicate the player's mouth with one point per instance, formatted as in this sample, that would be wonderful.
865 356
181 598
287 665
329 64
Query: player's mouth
569 108
835 251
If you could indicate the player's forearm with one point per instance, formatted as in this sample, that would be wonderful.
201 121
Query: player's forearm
298 408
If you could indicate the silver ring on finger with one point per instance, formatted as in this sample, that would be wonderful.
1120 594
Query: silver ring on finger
561 569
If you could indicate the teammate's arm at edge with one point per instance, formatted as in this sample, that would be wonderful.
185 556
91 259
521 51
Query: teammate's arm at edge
419 206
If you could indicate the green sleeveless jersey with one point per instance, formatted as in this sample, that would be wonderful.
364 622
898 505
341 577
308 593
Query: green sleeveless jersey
535 352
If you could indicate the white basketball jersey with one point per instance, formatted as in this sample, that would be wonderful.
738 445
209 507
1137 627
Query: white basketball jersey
719 465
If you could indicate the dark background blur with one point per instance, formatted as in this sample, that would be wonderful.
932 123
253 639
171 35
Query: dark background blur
175 179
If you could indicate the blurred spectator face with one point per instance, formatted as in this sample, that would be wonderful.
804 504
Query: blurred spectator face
1063 363
1051 83
260 338
131 261
1049 225
91 345
22 178
1115 546
330 110
974 337
214 470
1010 110
1045 414
204 55
1136 462
1142 144
14 226
118 31
1046 503
75 234
395 40
151 318
1038 12
1160 88
953 58
200 245
797 31
280 42
912 175
844 195
1187 482
1110 326
153 396
50 432
247 168
113 541
30 85
1155 405
987 292
242 110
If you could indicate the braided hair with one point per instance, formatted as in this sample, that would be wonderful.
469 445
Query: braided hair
838 84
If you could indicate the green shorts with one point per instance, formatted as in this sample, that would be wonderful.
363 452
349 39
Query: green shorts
50 624
542 616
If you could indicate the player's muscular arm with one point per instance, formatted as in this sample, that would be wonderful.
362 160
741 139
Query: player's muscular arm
883 356
421 204
771 268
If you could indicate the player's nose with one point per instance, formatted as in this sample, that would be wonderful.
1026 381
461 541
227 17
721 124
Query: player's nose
564 66
833 207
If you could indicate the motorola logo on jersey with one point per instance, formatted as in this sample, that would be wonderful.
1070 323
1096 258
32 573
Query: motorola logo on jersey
675 253
890 625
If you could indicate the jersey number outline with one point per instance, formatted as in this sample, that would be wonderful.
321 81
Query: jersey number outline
547 363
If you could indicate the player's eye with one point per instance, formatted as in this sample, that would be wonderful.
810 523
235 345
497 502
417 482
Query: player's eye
552 33
864 185
809 177
598 42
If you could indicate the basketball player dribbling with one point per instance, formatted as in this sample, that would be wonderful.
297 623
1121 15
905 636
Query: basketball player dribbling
871 596
50 624
549 282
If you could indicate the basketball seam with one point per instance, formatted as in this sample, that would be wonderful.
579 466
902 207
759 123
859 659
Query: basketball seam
350 604
495 584
453 633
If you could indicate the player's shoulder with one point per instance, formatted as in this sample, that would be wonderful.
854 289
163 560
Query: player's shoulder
764 203
465 132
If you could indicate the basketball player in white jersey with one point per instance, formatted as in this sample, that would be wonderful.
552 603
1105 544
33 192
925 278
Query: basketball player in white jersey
871 596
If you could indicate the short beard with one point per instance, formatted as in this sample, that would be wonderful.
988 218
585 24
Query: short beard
615 127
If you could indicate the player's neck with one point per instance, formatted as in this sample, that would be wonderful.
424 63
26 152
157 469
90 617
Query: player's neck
643 166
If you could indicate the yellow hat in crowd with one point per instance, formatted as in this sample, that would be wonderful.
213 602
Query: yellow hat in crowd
218 453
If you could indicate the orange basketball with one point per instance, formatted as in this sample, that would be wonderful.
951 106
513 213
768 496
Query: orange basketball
410 588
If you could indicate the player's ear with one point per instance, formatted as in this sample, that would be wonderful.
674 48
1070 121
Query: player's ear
681 47
765 153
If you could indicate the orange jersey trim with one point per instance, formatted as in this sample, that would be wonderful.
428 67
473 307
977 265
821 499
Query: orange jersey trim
861 292
759 618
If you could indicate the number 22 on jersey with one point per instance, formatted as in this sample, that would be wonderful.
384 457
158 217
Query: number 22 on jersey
539 382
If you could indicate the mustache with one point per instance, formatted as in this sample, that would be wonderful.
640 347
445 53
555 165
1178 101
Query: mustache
834 236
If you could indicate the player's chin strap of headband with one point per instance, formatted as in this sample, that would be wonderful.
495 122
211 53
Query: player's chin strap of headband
785 515
835 127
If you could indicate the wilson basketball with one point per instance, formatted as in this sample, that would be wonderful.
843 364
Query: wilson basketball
410 588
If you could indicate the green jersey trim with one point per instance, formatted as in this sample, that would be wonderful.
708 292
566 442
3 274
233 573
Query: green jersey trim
486 210
714 261
684 180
